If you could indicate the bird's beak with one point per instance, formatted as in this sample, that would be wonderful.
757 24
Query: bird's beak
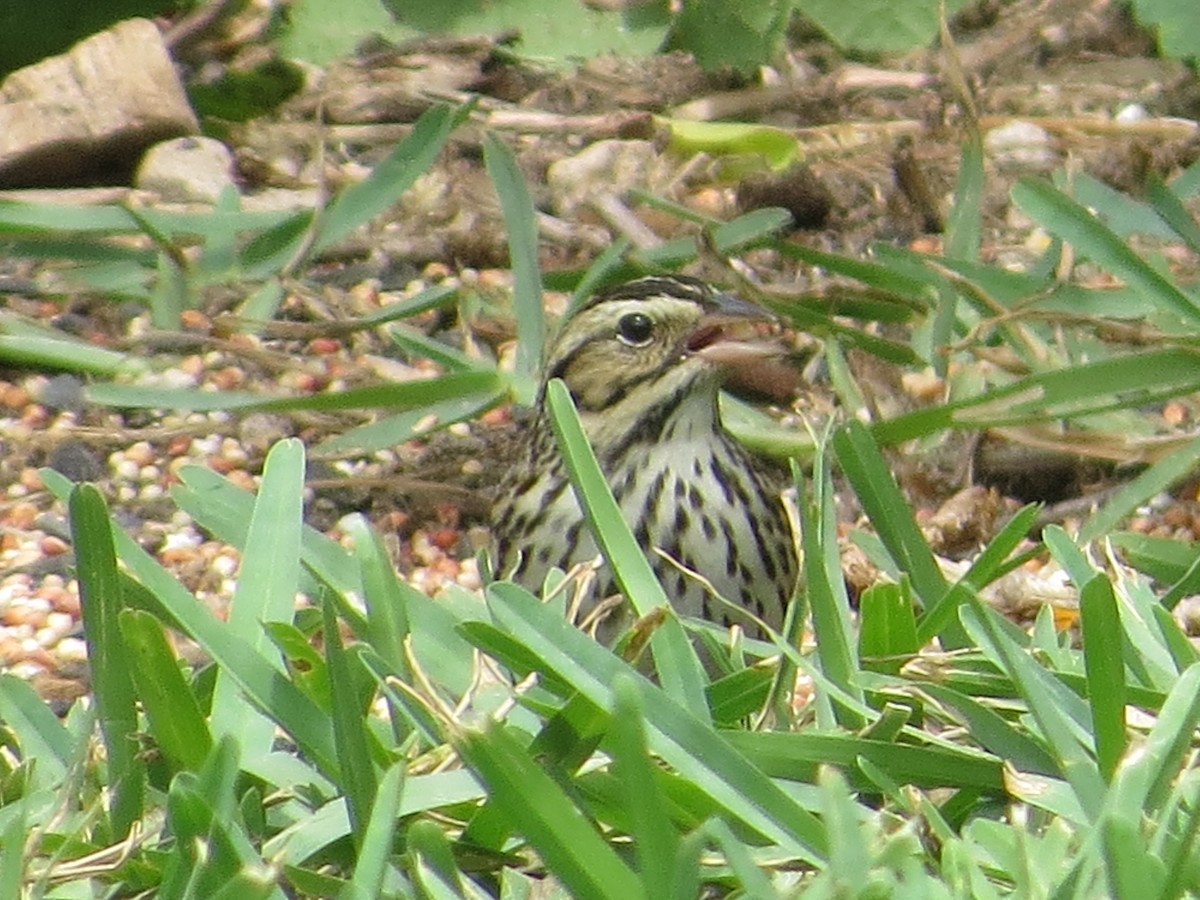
731 336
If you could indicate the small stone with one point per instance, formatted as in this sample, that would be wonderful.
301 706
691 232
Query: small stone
1131 114
1022 146
186 170
62 392
77 461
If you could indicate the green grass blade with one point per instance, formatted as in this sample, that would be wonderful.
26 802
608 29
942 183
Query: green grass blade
394 396
537 806
825 588
656 845
995 734
521 228
1160 476
1045 699
413 157
941 618
683 740
116 701
880 496
350 735
376 851
1105 667
1072 222
887 631
799 755
176 722
1121 382
1144 779
674 658
39 734
1172 211
266 591
262 683
964 225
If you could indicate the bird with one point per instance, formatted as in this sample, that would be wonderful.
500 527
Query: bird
644 362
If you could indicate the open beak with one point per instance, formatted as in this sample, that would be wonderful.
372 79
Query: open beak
732 336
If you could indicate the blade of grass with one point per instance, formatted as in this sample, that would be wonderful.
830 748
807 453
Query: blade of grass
1122 382
880 496
521 228
1103 660
413 157
1043 696
1171 210
266 591
350 735
176 722
545 815
964 225
675 660
1065 218
376 851
825 587
116 701
656 845
264 685
394 396
688 743
1159 477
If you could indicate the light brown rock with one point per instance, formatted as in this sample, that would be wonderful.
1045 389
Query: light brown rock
90 112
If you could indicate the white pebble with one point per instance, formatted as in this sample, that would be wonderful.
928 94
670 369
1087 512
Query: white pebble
72 648
1021 145
1134 112
151 492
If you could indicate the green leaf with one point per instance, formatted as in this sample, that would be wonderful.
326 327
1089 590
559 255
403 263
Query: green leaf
176 721
887 631
414 156
1158 477
741 36
538 808
963 228
261 682
375 851
878 26
116 701
1066 219
1177 23
777 146
880 496
350 734
656 845
1105 671
1058 721
39 734
674 658
825 588
266 591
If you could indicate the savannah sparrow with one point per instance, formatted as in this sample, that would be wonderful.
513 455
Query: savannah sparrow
643 362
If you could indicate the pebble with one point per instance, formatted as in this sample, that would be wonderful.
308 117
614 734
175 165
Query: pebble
1020 145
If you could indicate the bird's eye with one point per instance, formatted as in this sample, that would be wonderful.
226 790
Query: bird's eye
635 329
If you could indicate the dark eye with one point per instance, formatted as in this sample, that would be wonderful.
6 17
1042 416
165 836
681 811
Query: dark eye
635 329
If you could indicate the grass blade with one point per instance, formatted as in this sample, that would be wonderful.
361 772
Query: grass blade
266 591
1065 218
674 658
178 726
116 701
880 496
521 228
1103 659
